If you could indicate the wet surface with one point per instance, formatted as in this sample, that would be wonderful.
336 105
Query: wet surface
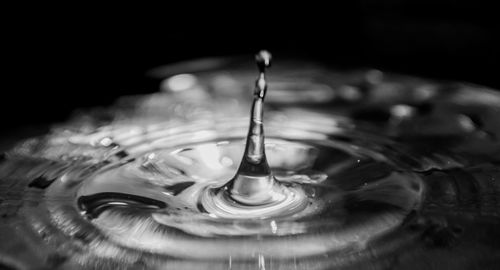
383 171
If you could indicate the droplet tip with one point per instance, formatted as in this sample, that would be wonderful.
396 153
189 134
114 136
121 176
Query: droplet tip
263 59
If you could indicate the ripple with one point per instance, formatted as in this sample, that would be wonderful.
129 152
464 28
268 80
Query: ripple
411 179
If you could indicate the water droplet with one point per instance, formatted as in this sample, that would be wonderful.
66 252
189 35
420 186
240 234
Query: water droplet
253 183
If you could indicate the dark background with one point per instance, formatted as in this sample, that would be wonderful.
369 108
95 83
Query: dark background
61 58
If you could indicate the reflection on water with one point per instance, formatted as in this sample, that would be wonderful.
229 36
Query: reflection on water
382 172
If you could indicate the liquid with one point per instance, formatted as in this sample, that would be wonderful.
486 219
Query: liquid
387 172
254 183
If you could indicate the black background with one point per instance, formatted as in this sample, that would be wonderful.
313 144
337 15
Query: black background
60 58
